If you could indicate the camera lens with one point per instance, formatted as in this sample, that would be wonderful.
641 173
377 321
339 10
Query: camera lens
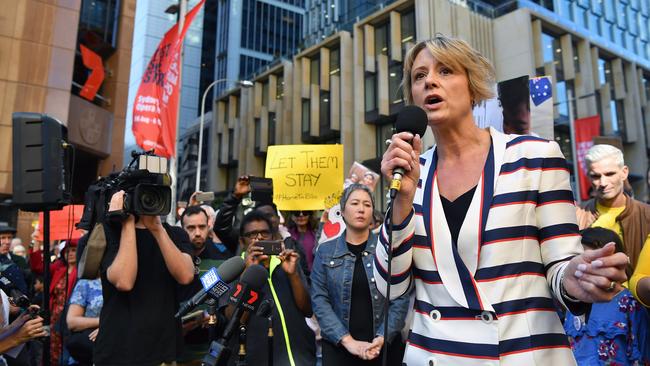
152 200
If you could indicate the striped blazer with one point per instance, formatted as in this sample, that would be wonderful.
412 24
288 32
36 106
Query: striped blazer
488 299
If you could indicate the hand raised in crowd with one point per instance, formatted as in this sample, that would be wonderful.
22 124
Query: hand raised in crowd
595 275
93 335
254 255
374 349
193 200
289 258
242 187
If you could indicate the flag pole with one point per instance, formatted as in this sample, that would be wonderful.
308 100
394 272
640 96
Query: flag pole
173 161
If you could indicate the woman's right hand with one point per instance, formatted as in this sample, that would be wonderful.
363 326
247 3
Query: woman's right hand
354 347
402 154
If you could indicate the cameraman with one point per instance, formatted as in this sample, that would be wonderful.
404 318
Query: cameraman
143 263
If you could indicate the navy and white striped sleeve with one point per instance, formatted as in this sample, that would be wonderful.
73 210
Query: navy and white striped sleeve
556 219
402 242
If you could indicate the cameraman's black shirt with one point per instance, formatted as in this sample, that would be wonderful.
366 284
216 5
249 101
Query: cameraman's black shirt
138 327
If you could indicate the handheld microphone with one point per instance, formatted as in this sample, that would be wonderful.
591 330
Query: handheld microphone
215 283
411 119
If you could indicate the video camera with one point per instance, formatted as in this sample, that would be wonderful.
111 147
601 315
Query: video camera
146 186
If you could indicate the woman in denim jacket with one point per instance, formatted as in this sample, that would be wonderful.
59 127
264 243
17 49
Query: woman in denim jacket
346 302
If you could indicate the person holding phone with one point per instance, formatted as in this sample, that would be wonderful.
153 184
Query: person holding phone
225 228
286 288
347 304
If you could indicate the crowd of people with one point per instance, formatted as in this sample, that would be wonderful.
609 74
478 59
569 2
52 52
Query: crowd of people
492 261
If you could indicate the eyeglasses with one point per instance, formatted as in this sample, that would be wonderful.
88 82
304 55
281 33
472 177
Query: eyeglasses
302 213
264 234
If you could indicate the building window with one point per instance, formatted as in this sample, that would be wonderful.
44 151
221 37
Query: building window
306 120
324 113
265 94
258 134
576 61
279 88
547 48
395 94
408 27
381 40
335 61
272 124
314 71
370 89
231 145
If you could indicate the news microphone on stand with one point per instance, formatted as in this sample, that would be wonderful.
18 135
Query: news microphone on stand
411 119
215 283
245 298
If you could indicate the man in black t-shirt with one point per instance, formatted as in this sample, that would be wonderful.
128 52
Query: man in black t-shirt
207 255
143 263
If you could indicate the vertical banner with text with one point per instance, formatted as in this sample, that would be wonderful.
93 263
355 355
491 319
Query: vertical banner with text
156 104
586 129
304 176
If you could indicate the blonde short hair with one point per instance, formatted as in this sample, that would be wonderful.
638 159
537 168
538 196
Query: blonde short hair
459 56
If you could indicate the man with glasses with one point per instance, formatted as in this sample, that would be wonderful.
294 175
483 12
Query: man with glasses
286 289
224 223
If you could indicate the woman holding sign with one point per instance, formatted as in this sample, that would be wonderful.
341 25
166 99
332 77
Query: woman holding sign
485 227
346 302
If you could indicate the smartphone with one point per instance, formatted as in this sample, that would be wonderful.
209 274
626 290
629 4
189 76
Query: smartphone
270 247
261 189
205 197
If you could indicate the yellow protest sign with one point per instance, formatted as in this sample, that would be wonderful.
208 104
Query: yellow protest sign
304 175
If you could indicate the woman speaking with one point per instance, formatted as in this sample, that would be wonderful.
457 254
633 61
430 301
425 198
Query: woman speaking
485 227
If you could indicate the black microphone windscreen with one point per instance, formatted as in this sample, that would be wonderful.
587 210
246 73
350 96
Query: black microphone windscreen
412 119
254 276
231 269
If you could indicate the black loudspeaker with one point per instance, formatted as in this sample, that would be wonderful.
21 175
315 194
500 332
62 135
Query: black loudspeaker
40 163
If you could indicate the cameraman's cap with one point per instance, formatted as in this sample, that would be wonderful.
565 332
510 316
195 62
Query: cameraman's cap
4 228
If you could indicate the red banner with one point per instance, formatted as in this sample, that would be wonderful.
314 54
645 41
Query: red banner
155 107
585 130
62 223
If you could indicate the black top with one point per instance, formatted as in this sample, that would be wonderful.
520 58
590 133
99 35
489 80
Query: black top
138 327
301 338
455 212
361 321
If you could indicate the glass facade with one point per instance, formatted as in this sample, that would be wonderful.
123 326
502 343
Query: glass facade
623 22
254 33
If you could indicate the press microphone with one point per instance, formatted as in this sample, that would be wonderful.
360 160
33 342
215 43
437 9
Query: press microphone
411 119
246 297
215 283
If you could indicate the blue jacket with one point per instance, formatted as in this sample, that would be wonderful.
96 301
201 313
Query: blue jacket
331 291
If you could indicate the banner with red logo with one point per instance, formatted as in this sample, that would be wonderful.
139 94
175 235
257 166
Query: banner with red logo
585 130
155 107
